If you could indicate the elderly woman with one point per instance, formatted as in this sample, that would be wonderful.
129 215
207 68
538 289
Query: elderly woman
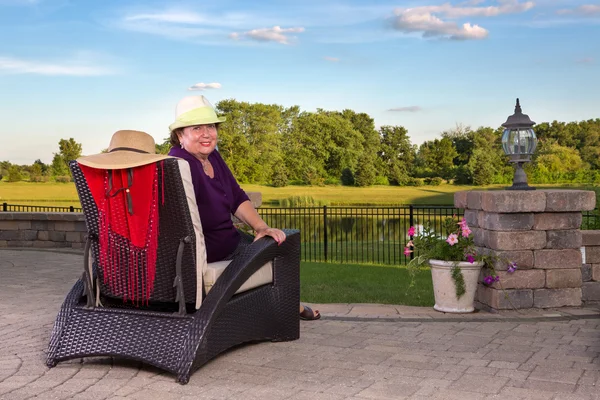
194 136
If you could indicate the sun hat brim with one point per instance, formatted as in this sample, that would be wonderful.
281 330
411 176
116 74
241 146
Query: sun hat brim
197 116
120 159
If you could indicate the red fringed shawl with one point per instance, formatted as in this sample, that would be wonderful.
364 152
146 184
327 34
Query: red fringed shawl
127 201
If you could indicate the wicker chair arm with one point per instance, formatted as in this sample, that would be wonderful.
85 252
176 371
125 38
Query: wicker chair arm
241 268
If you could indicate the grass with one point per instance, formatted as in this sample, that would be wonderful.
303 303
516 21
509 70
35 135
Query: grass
350 283
64 194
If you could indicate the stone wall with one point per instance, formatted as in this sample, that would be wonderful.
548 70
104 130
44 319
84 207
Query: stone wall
42 230
54 230
539 230
590 270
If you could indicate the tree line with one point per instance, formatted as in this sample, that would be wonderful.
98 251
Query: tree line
274 145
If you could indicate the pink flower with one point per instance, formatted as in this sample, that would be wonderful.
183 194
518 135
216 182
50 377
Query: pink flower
407 251
452 239
411 231
470 258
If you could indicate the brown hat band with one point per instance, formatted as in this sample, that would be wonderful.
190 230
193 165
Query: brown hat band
128 149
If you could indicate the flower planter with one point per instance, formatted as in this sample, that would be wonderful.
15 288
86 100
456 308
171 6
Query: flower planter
444 288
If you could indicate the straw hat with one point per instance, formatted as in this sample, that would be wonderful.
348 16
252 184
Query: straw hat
127 149
194 110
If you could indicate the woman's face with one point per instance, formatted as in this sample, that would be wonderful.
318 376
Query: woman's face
199 140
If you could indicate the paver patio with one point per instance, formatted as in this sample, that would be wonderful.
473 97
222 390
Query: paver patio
355 352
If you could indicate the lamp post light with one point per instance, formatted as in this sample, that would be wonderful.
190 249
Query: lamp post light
519 143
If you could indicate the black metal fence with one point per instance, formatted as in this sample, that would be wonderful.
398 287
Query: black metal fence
347 234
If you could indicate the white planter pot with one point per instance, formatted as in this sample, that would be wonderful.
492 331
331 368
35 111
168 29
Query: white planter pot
445 291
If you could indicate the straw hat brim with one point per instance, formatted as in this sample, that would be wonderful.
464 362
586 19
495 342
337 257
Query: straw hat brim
120 159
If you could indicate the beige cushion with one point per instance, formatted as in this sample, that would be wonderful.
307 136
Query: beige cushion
261 277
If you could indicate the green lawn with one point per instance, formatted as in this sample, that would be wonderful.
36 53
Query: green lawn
64 194
350 283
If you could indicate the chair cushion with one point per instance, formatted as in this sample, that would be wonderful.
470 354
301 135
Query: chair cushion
261 277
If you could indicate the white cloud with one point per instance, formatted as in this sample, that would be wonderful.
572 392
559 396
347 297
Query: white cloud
406 109
585 10
428 19
274 34
586 60
332 59
75 67
205 86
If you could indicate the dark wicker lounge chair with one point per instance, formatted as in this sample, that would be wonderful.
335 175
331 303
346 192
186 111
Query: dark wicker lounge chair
170 332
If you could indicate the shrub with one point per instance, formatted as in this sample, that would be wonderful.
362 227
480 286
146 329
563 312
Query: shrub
381 180
414 182
14 174
435 181
333 181
301 201
62 179
280 178
347 177
38 178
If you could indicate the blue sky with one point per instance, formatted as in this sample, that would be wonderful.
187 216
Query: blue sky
87 68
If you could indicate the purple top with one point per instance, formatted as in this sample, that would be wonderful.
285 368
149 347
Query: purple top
217 199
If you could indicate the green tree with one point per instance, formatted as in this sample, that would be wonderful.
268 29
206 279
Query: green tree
396 154
365 172
14 174
58 166
68 150
438 157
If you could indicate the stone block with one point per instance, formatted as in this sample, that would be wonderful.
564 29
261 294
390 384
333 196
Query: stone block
563 278
557 259
526 279
590 238
20 243
45 244
513 201
592 254
80 227
550 298
65 226
255 198
57 236
557 221
590 291
14 225
40 225
23 235
474 199
569 239
569 200
504 300
506 222
523 258
3 243
586 273
471 217
479 236
527 240
74 237
77 245
596 272
460 199
43 235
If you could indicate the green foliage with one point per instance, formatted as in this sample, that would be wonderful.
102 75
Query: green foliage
279 178
435 181
365 172
396 154
381 180
415 182
347 177
62 179
301 201
14 174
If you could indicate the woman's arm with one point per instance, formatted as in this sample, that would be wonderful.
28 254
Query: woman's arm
248 215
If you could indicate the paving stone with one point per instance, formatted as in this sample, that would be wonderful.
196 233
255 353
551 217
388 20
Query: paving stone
570 200
474 383
506 222
555 221
563 278
590 238
564 239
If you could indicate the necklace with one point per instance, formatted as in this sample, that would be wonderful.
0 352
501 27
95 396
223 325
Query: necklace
205 165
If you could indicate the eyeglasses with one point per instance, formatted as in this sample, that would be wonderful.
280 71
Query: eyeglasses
204 128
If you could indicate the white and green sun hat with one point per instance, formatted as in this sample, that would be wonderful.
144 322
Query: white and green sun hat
194 110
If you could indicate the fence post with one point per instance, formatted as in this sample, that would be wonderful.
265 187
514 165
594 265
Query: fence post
71 209
325 231
5 207
411 222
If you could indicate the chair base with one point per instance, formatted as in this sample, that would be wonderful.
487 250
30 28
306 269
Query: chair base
177 344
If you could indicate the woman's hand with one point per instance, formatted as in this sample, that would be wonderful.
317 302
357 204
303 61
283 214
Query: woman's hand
276 234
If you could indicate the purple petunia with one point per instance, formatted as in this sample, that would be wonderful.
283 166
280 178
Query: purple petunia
511 267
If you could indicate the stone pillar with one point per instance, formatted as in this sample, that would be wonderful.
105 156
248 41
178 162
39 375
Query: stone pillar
590 270
539 230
